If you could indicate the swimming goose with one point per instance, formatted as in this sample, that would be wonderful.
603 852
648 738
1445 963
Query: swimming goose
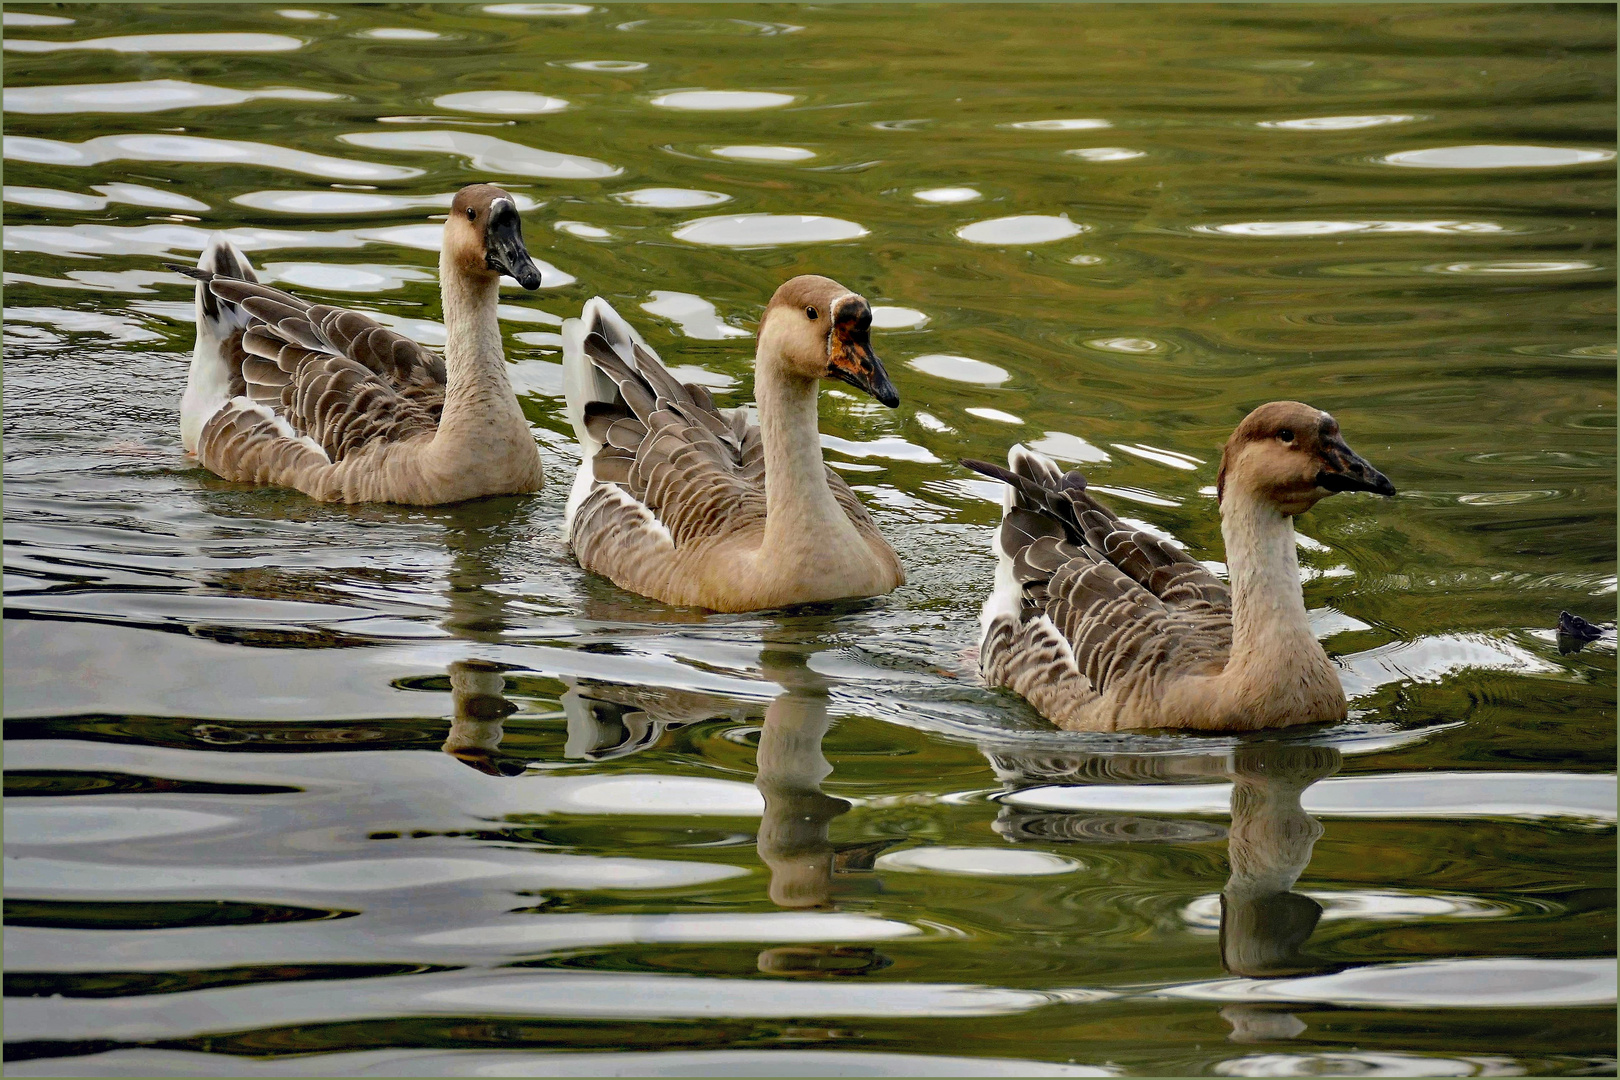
681 502
1104 627
287 393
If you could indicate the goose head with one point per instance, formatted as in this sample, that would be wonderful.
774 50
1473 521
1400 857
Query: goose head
1290 455
814 328
484 238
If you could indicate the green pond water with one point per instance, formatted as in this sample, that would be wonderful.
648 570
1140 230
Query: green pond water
297 789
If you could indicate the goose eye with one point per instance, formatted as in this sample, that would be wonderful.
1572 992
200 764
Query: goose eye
471 213
811 314
1285 435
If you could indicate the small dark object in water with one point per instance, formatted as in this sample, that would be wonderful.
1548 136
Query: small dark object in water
1574 632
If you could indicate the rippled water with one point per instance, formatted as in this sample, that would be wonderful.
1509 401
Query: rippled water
300 789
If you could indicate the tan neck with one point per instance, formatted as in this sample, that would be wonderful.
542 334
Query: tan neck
801 515
480 411
1270 629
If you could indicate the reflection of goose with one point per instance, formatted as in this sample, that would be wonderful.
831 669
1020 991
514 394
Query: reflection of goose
478 693
292 394
672 499
607 720
1103 627
611 720
1263 923
793 834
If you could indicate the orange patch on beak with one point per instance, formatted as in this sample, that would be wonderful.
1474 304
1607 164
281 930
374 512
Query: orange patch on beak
850 357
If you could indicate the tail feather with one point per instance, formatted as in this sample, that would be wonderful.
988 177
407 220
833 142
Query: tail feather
1035 483
583 381
221 258
216 374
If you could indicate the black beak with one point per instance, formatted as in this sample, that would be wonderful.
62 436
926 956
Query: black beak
1345 470
850 357
504 251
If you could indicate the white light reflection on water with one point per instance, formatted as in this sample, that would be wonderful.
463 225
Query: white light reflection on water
897 318
198 150
533 10
1066 447
1416 795
1021 229
342 277
1339 123
501 102
399 33
129 194
486 153
722 100
947 195
1497 157
963 369
664 198
1473 983
1059 125
1106 153
1335 228
29 18
355 202
585 931
616 66
986 413
696 316
91 322
165 43
767 230
764 153
536 994
152 95
977 861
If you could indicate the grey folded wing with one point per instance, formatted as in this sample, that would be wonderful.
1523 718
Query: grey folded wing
333 374
699 473
1126 604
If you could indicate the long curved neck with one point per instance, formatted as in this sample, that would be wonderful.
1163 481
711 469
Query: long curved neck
800 511
478 401
1270 628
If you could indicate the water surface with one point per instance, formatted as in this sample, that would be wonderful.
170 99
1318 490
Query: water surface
300 789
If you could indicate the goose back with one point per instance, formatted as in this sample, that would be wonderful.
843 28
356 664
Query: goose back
1092 619
671 491
320 398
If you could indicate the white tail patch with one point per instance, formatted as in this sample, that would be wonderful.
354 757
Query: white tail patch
1006 596
208 384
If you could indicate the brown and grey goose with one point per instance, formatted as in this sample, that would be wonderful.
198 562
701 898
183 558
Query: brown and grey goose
1102 626
690 505
286 393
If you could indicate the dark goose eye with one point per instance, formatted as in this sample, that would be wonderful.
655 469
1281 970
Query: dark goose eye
810 313
1286 435
471 213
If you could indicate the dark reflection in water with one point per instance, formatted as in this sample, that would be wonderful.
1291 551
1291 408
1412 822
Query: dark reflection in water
1264 924
477 692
